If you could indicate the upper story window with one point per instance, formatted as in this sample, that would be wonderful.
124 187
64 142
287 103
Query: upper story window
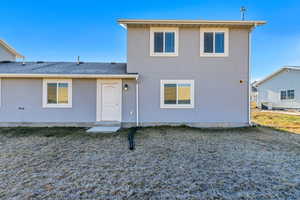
214 42
287 94
164 41
57 93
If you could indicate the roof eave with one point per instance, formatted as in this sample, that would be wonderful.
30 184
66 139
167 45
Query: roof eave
275 74
12 75
125 22
11 50
19 55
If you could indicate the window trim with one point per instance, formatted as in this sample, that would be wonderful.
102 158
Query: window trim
226 42
45 93
285 95
162 94
164 29
286 91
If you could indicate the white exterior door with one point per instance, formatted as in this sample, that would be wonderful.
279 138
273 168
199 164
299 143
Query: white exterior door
109 100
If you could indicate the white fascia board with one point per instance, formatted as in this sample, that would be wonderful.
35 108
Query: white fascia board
10 75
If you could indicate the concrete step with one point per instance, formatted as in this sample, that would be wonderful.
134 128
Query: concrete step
103 129
107 124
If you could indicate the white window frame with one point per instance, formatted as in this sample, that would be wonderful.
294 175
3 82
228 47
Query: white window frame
162 94
165 29
287 94
45 93
282 90
287 99
226 42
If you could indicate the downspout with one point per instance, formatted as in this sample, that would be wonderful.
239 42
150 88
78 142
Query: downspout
137 102
249 74
133 130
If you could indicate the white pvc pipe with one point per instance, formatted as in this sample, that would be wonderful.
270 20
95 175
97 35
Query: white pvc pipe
137 102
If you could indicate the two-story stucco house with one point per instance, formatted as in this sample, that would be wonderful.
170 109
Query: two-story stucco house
280 90
192 72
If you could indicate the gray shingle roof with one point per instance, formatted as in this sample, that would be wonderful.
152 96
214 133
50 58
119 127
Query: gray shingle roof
62 68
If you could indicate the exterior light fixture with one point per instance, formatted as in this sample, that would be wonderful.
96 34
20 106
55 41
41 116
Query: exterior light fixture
126 86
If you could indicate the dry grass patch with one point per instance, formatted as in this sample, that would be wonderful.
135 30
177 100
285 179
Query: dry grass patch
284 122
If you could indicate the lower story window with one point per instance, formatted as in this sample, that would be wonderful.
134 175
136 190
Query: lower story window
283 95
291 94
287 94
177 94
57 93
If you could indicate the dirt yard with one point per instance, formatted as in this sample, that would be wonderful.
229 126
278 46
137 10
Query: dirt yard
168 163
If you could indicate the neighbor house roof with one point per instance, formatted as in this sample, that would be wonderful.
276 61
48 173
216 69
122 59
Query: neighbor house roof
64 69
10 49
285 68
253 86
189 23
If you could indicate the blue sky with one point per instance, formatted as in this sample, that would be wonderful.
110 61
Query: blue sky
60 30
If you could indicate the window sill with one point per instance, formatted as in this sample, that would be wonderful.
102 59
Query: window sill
57 106
287 99
177 106
220 55
164 54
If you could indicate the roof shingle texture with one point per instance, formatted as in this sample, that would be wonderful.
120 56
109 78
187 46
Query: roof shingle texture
62 68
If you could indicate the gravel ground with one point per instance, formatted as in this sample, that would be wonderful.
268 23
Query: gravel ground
168 163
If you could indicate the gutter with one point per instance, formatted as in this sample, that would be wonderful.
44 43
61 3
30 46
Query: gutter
10 75
125 22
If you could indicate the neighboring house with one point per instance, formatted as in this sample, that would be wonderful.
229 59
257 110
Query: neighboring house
191 72
254 93
7 53
280 90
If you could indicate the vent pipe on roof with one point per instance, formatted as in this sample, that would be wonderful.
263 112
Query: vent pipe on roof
23 62
78 60
243 10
